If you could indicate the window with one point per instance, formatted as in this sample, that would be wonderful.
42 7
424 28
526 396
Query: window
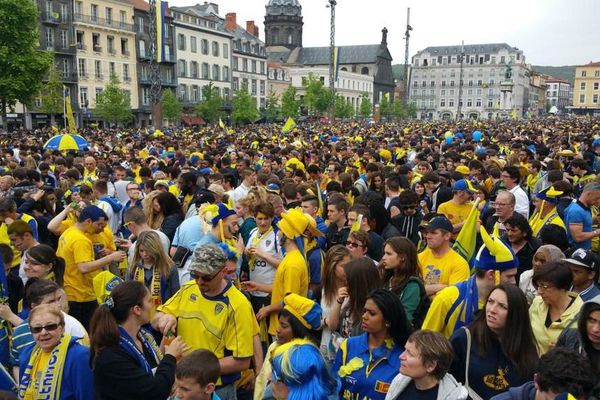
469 102
451 83
143 72
480 83
111 68
194 69
596 74
226 93
94 13
49 37
122 18
110 44
96 42
216 72
195 94
443 83
451 103
502 59
126 76
181 67
205 71
124 47
225 50
245 64
193 44
65 67
490 103
262 67
78 8
108 16
582 86
254 66
182 93
443 92
583 74
235 86
443 103
478 103
235 63
181 42
140 21
64 12
83 97
204 46
451 92
167 52
596 85
81 65
98 91
595 99
225 73
142 45
582 98
262 88
98 69
253 87
470 83
145 96
215 49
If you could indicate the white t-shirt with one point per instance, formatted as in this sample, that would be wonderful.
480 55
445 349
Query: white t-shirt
521 201
262 271
74 327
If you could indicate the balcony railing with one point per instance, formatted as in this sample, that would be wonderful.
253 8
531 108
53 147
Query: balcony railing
51 17
97 49
88 19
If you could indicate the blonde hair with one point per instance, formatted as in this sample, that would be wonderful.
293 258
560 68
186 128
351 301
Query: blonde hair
253 198
155 221
52 309
151 242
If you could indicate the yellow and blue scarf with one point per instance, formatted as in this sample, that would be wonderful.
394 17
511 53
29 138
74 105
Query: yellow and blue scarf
148 342
49 384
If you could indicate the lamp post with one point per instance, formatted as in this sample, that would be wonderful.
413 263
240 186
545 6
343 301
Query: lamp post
332 4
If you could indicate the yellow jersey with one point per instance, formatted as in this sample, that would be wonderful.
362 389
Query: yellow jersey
75 247
448 269
454 212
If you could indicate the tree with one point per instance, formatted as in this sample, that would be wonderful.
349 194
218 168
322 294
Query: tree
113 103
397 109
317 98
211 105
171 106
384 106
243 107
289 103
366 107
411 110
52 94
22 65
272 106
343 108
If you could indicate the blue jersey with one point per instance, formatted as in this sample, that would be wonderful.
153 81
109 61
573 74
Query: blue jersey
577 213
365 374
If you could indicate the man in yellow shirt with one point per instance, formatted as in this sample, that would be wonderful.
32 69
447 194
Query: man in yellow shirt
457 305
209 312
82 263
457 210
292 272
440 265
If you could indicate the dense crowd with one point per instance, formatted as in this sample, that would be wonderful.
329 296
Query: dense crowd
355 261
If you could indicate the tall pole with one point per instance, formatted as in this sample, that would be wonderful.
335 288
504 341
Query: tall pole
154 67
460 80
332 4
407 39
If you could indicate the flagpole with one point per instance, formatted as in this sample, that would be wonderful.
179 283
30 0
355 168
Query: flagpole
65 105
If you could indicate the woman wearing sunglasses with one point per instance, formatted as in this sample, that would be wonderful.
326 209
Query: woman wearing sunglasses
56 366
358 244
126 360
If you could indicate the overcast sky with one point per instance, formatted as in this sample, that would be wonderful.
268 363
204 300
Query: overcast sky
550 32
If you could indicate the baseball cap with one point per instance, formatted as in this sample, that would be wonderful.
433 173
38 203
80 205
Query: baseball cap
440 222
463 185
463 169
582 258
208 259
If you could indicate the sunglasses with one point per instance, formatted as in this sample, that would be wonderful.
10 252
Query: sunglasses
48 328
205 278
353 244
126 224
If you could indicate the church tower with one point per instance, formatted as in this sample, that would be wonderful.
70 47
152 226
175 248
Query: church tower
283 24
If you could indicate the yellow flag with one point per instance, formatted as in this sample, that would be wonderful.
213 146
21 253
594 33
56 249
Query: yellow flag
467 237
514 114
221 124
356 224
69 114
289 125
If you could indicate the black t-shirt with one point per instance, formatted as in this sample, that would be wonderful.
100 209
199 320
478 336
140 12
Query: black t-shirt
412 393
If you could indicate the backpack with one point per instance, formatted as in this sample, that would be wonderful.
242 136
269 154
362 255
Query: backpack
424 302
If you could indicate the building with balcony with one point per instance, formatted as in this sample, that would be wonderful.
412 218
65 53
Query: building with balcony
104 41
249 59
537 95
494 82
558 93
278 78
203 49
586 91
167 64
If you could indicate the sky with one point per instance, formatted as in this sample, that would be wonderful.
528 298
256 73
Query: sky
550 32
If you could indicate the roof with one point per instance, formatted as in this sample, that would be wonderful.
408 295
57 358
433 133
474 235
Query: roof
145 6
553 79
284 7
591 64
468 49
279 56
294 3
362 54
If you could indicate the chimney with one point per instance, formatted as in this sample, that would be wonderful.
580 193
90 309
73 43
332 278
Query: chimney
252 28
230 22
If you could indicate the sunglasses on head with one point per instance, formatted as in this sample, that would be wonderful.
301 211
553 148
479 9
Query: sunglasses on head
48 328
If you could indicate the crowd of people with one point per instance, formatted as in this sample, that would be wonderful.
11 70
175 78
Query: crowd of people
354 261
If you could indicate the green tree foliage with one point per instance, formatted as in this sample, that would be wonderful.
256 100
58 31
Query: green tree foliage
343 108
211 105
366 107
289 103
384 107
397 109
52 93
272 106
317 98
22 65
411 110
243 107
171 106
113 104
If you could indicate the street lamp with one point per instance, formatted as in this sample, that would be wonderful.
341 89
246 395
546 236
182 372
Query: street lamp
331 5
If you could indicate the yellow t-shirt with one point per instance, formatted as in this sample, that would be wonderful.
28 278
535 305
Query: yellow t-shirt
291 277
449 269
75 247
5 239
37 371
454 212
224 324
438 311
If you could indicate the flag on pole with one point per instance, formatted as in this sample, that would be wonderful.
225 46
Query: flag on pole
69 111
467 237
221 124
160 30
336 62
289 125
356 224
